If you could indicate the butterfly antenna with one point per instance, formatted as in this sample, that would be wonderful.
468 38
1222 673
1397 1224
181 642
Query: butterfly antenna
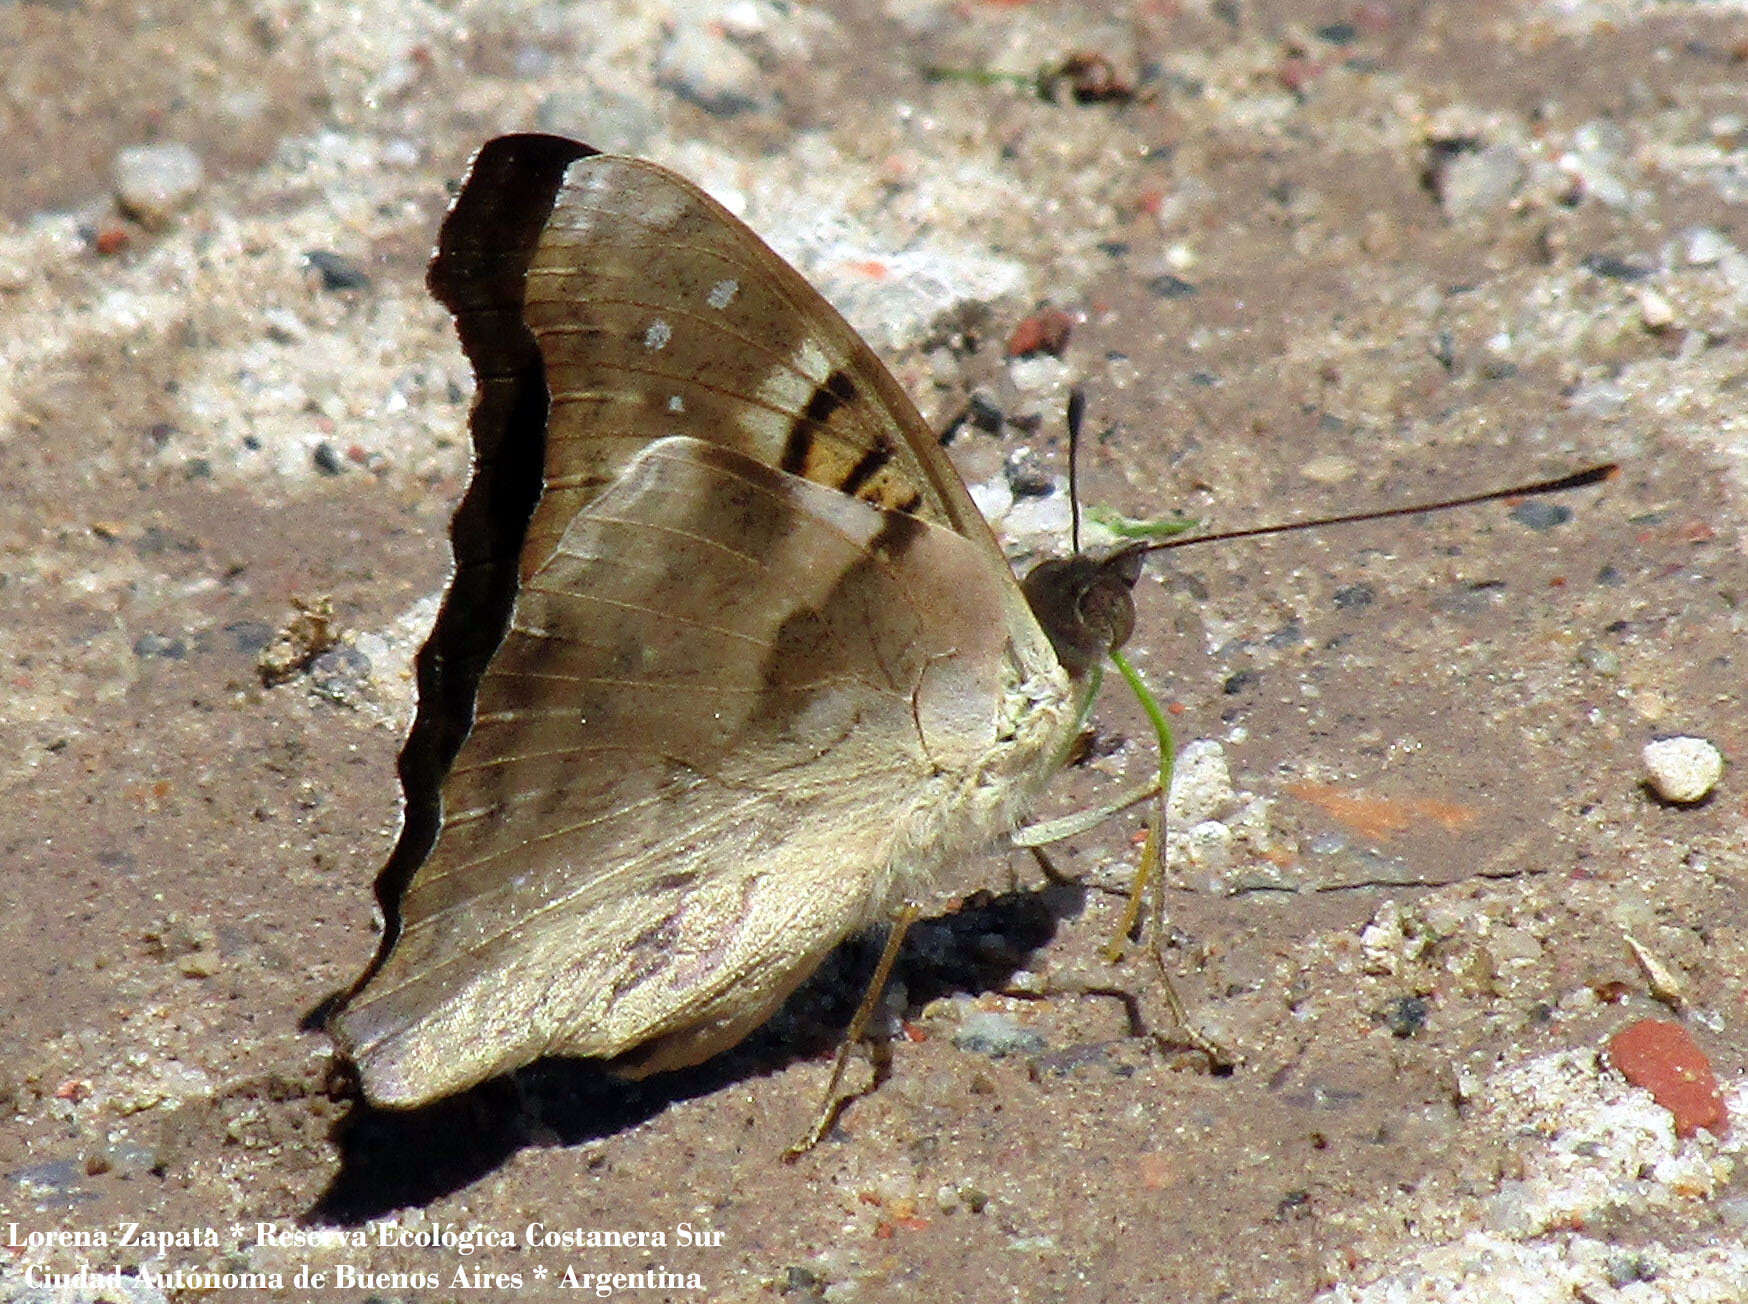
1076 414
1577 480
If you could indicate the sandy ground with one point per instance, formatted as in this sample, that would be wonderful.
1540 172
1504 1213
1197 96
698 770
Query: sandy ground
1317 257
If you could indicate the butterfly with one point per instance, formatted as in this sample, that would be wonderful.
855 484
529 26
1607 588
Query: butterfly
730 667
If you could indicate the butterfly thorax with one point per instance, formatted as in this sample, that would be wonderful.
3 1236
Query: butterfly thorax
1085 604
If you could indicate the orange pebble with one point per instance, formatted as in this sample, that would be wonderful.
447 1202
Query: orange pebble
1045 331
1665 1060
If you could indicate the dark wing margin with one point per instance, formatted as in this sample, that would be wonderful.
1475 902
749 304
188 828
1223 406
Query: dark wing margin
478 273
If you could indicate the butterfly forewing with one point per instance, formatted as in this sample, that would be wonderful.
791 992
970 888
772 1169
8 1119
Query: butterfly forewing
658 313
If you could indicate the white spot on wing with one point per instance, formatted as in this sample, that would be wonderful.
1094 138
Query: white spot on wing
676 403
658 335
784 390
722 294
810 360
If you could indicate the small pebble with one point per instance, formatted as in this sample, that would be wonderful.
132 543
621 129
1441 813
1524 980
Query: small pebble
984 412
337 271
1476 183
327 459
1655 311
1044 331
994 498
1201 784
1664 1059
1683 770
250 636
1207 846
1595 161
1329 468
704 69
1072 1060
1611 268
992 1033
1540 515
153 181
124 1159
159 646
1167 286
1405 1016
1039 376
1703 246
53 1178
198 964
340 674
1236 683
1661 980
1288 635
1027 477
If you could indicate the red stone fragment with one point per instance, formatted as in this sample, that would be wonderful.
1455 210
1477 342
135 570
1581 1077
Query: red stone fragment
1665 1060
1045 331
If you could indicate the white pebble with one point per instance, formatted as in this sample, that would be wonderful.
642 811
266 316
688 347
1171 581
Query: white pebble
153 181
994 498
1683 769
1208 846
1038 376
1329 468
1201 784
1705 247
1657 312
703 68
1474 185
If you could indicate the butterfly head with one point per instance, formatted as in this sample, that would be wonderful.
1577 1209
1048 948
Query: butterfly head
1085 604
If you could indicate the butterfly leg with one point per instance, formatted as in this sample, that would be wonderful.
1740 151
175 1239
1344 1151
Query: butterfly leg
1148 888
833 1104
1047 867
1071 826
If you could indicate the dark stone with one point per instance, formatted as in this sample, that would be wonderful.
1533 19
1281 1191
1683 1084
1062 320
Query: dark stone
1166 286
337 271
1539 514
1612 268
1405 1016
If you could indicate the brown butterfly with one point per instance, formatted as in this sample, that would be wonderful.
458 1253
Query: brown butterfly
730 667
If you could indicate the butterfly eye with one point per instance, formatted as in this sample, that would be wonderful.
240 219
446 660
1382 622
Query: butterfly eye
1107 610
1084 605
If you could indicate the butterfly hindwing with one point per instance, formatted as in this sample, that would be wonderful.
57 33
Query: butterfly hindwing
734 714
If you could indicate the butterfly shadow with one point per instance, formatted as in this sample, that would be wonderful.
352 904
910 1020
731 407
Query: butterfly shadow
391 1159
